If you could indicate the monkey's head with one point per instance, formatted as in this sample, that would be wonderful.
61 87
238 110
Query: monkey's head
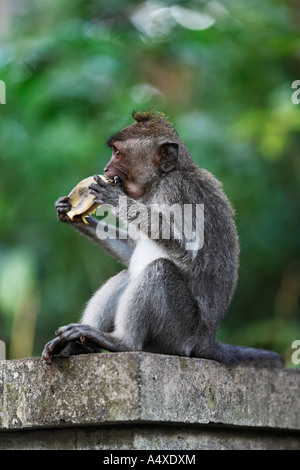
144 152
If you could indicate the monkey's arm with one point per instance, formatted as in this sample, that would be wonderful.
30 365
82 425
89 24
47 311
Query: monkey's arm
154 220
118 246
121 249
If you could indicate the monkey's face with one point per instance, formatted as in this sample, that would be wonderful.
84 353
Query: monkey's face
141 155
132 161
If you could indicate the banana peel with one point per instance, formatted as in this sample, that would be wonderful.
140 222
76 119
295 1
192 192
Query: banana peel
82 202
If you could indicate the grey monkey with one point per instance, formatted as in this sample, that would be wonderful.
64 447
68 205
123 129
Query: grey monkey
169 299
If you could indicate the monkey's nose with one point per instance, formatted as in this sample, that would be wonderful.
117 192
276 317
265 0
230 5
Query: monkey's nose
106 169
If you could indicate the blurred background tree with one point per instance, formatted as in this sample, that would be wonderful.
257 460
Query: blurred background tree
74 70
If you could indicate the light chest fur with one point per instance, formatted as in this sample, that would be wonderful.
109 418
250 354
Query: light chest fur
146 252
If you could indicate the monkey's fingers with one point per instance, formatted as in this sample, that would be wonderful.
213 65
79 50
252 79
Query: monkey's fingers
95 189
98 192
77 331
75 347
72 332
62 329
98 199
90 345
52 348
70 349
62 200
63 207
101 180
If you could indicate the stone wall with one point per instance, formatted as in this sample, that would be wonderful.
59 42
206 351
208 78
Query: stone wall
146 401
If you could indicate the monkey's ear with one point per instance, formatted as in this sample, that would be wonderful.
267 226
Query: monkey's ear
167 155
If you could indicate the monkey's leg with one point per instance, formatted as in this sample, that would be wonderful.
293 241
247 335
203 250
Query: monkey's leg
156 313
101 309
99 313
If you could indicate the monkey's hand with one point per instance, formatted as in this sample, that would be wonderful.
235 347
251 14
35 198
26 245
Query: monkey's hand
106 193
90 338
65 348
85 334
63 206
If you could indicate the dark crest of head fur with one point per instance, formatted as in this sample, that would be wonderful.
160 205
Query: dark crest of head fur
150 115
147 124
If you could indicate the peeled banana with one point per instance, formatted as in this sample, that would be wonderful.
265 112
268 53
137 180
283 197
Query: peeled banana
81 200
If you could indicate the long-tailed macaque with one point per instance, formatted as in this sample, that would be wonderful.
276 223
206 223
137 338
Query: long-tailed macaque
175 290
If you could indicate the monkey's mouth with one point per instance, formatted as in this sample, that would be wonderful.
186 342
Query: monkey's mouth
114 174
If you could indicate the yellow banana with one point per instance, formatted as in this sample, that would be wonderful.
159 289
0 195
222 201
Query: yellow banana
81 200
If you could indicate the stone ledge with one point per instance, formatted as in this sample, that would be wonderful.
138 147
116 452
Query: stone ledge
149 437
124 388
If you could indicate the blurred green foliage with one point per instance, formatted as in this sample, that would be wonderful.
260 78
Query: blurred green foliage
74 71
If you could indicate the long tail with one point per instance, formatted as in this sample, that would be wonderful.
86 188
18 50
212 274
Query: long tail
234 355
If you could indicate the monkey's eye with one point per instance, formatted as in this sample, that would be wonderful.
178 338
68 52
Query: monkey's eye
116 151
